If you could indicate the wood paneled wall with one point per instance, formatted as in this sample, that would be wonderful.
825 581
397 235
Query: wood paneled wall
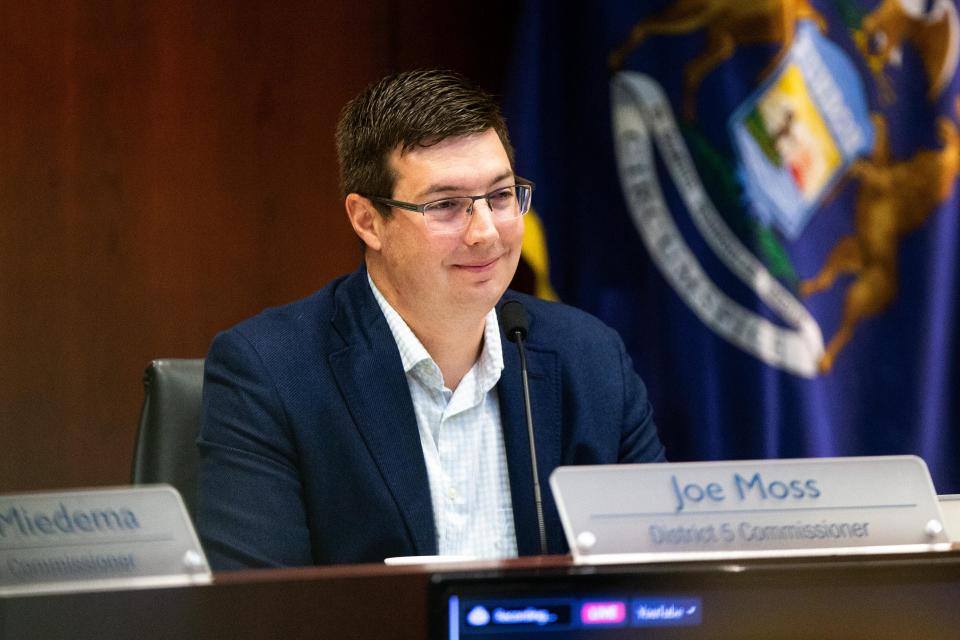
167 169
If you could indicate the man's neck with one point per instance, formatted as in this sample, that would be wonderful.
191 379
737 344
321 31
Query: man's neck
454 339
454 350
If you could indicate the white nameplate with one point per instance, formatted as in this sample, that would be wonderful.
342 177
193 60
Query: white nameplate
695 510
950 507
97 539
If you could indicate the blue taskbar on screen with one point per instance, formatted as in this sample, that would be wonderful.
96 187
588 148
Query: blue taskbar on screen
475 618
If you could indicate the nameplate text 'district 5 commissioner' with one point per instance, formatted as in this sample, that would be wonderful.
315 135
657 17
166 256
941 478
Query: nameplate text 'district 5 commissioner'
97 539
654 512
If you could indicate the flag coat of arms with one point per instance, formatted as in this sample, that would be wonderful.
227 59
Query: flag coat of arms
762 198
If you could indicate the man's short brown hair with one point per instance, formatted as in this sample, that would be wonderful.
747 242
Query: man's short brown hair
407 110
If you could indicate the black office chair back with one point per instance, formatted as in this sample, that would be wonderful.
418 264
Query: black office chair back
166 449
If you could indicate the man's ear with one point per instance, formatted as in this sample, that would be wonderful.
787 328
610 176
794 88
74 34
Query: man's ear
365 220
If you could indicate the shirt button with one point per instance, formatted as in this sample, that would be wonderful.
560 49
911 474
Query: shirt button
451 494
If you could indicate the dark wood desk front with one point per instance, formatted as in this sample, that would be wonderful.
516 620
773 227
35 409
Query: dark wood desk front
360 601
376 601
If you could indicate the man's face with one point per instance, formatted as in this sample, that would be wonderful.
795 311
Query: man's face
430 276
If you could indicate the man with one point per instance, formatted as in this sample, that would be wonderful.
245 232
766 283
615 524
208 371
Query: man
382 416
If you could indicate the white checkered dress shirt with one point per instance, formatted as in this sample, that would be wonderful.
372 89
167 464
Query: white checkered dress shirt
462 440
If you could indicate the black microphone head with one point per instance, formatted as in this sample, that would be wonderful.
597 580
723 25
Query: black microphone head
513 320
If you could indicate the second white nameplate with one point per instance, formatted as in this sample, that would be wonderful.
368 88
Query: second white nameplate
91 539
763 506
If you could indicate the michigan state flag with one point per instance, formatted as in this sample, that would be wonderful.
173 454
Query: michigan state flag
762 198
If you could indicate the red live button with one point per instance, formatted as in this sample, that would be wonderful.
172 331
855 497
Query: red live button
603 613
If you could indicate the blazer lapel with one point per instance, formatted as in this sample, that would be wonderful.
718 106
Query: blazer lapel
544 378
370 376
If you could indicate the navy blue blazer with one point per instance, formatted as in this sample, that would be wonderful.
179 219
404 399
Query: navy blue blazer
310 452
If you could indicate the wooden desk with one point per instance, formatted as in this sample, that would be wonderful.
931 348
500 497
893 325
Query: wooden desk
376 601
314 602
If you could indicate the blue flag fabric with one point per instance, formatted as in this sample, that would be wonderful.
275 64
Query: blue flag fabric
761 198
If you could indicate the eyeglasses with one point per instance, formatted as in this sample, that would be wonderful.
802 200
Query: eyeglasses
452 215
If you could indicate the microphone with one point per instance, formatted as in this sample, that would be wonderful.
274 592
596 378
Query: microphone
513 319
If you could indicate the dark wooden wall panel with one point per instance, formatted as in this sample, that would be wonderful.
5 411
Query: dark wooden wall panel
167 169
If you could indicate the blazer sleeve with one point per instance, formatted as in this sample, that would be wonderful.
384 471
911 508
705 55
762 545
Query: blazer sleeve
247 452
639 441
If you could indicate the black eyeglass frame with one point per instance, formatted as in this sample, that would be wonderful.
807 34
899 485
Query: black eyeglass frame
421 208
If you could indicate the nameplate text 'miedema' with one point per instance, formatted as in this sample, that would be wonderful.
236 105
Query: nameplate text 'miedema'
97 539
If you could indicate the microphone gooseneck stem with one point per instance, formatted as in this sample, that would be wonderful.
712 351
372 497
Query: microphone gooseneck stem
533 447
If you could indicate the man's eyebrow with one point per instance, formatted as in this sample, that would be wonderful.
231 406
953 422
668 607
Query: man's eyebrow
447 188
